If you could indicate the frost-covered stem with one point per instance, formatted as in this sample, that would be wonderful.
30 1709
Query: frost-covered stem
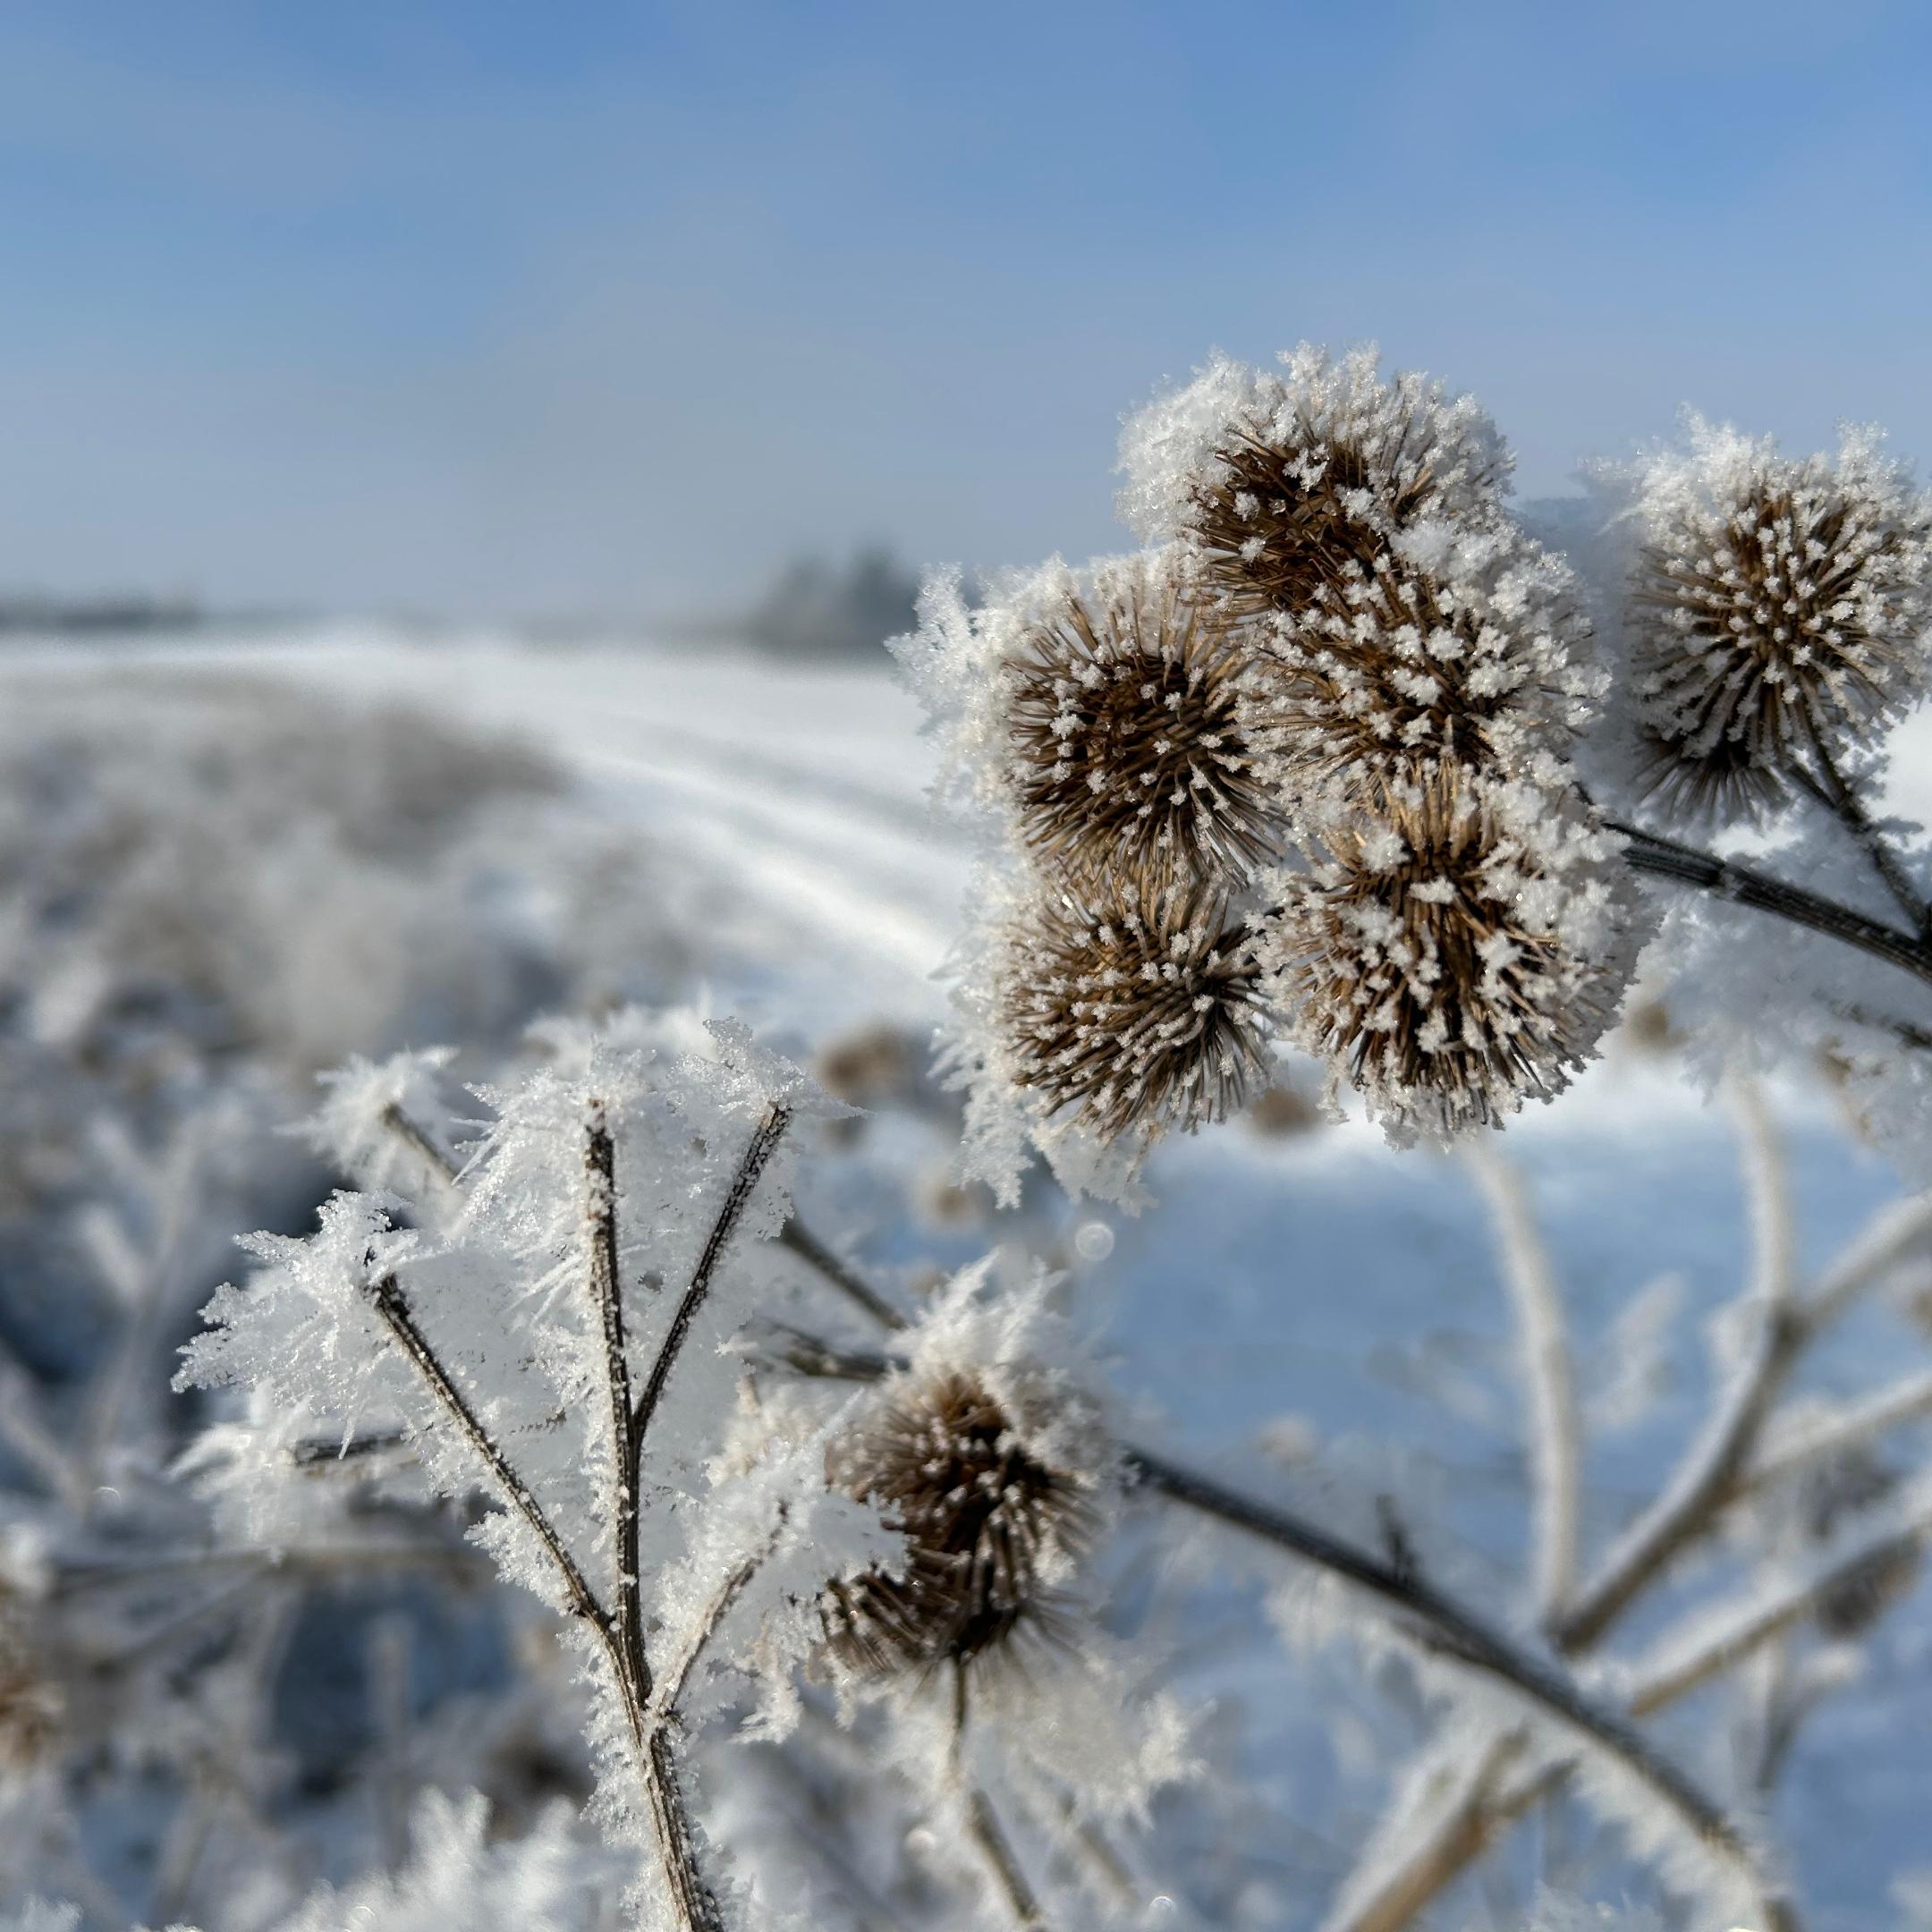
1555 1448
983 1822
737 1199
1745 886
1444 1629
606 1295
417 1138
1837 796
1766 1194
1385 1899
696 1903
1731 1636
386 1294
1716 1470
1905 1401
809 1249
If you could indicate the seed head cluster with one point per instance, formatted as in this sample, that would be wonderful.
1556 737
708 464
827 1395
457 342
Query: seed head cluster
1780 607
1130 735
992 1530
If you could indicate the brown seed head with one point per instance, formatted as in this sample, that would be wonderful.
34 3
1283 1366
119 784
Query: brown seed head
1127 1015
1460 952
990 1531
1777 609
1130 755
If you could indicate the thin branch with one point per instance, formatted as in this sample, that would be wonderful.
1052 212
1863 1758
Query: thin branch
983 1822
1444 1629
1721 1638
1907 1400
1468 1824
697 1905
807 1246
1767 1193
418 1138
1556 1436
606 1295
737 1199
1831 789
387 1296
1725 879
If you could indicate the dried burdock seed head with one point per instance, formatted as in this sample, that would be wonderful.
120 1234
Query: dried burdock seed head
1778 607
1461 949
1124 1016
32 1705
993 1530
1466 650
1278 484
1128 737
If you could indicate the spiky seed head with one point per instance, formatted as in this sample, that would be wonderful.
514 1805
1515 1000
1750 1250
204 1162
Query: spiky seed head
1779 606
1125 1015
1278 484
1471 653
1462 948
32 1705
992 1530
1126 718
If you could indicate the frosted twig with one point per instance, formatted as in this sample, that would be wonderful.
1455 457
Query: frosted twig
1384 1894
807 1246
1745 886
1555 1445
1830 788
1767 1193
1715 1467
386 1293
764 1144
415 1136
1907 1400
606 1295
983 1822
1718 1638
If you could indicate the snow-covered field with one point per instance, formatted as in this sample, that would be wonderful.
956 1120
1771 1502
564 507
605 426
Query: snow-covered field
1309 1303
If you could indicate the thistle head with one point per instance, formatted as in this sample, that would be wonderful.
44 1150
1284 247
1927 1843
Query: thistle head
1280 484
1129 1013
1779 606
1455 651
1460 949
1128 733
993 1528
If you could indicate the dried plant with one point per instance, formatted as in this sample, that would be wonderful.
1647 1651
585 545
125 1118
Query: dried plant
1455 953
992 1530
1780 609
1131 1013
1130 737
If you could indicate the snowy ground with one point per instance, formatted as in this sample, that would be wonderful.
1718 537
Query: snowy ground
1317 1277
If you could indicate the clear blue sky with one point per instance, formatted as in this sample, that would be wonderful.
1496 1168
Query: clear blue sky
498 308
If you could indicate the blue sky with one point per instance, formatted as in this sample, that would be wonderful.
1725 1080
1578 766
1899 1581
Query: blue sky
512 309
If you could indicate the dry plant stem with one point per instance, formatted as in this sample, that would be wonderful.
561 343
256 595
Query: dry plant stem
1444 1629
1831 790
737 1199
606 1295
1468 1827
416 1139
809 1249
1718 1469
983 1822
387 1295
1725 879
1555 1441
